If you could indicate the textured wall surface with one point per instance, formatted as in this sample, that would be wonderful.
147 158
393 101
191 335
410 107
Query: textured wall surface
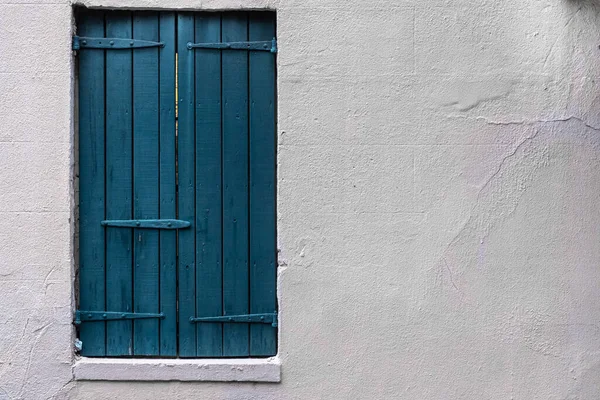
438 201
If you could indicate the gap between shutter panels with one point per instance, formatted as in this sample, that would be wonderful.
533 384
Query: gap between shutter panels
251 340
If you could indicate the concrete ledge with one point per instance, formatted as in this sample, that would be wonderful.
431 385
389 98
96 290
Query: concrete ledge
210 370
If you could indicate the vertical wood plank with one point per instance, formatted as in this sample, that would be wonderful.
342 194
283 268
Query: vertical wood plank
235 184
146 182
263 251
186 195
168 208
119 186
91 185
208 186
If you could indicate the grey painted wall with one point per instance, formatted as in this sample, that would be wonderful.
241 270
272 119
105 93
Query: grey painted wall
439 201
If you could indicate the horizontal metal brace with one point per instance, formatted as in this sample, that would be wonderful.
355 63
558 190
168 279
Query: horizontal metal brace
85 316
270 318
147 223
270 45
83 42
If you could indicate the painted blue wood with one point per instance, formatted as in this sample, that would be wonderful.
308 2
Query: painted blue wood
91 185
235 184
146 183
208 186
186 199
263 251
119 186
168 206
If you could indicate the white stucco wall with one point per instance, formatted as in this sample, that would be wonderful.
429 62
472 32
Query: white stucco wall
438 200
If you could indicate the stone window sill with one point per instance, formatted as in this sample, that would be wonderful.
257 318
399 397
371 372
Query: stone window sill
209 370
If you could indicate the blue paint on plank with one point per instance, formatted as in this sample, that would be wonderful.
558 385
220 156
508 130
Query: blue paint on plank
119 186
235 184
168 207
208 186
186 198
263 251
91 185
146 183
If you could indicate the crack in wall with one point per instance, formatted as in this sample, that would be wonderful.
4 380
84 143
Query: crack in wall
539 121
61 391
499 195
571 18
26 376
451 276
485 186
525 122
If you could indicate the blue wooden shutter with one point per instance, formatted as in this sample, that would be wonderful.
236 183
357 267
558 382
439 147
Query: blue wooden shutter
127 172
227 161
149 291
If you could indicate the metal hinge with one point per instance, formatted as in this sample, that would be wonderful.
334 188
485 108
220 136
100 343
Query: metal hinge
83 42
147 223
269 45
269 318
85 316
